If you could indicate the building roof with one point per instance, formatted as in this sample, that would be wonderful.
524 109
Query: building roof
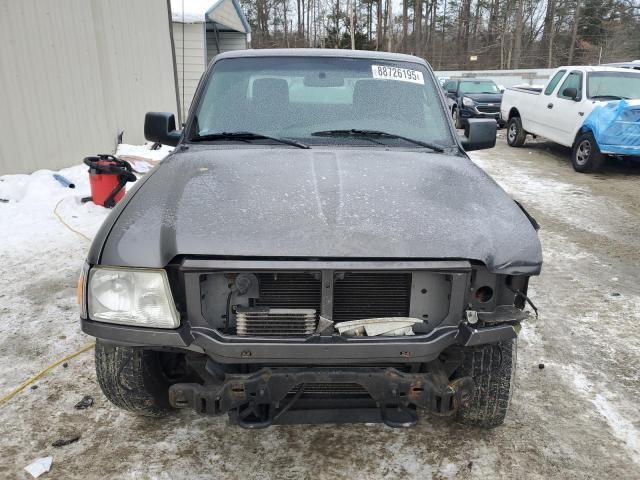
226 13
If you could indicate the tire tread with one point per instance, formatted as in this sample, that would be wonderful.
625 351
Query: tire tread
131 378
521 135
492 368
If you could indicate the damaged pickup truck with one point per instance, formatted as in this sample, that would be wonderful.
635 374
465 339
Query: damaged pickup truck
318 248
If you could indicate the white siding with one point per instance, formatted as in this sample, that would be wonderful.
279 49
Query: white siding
188 39
77 72
227 41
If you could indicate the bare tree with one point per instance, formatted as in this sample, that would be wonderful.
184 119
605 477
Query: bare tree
417 31
574 32
405 23
379 24
501 33
352 23
389 25
549 31
517 34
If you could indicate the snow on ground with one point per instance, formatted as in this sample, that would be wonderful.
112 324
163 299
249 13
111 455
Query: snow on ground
35 242
575 418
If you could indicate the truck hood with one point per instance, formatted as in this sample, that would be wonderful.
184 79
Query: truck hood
485 97
366 203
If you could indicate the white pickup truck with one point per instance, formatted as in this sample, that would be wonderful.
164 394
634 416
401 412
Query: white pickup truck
558 110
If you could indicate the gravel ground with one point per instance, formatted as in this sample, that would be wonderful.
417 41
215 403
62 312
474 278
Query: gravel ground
575 418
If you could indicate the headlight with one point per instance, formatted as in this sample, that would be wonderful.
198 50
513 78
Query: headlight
139 297
467 102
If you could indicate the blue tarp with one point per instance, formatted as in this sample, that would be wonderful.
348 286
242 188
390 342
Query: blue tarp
616 127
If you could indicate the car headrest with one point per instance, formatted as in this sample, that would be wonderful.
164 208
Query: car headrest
369 96
388 97
271 91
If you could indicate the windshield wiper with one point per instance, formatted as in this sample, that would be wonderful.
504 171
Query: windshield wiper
354 132
245 137
614 97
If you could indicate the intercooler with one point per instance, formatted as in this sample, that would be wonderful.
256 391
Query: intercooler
289 304
266 322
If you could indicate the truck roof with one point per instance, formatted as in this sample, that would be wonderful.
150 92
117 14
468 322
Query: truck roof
321 52
471 79
594 68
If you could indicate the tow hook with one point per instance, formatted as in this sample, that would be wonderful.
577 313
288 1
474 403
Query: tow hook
472 317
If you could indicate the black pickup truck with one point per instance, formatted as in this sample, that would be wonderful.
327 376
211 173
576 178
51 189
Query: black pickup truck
318 248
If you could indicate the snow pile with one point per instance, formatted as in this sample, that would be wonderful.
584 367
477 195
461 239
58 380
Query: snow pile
143 151
27 219
190 11
27 204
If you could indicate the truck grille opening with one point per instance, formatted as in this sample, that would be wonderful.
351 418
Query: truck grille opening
268 322
289 303
488 108
289 290
360 295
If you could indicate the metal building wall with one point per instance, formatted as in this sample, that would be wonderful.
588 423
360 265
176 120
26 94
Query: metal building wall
226 41
77 72
191 60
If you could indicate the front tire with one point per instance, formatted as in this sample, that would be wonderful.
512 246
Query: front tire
132 379
516 135
586 156
492 368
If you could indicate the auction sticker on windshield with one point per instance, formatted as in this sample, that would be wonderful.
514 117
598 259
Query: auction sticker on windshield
383 72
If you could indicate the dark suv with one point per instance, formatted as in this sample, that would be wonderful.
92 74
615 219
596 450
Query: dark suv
318 247
473 98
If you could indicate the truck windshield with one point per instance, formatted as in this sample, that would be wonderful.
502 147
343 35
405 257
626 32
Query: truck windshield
613 85
478 86
311 98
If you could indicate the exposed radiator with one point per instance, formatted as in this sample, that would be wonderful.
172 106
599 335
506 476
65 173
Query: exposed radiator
371 295
268 322
289 290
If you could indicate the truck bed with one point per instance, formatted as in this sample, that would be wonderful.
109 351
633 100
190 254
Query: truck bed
527 89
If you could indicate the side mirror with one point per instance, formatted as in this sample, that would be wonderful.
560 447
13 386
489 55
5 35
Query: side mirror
570 92
160 127
480 133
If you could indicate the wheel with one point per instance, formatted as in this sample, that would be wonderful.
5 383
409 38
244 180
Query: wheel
515 133
586 156
493 369
132 379
456 119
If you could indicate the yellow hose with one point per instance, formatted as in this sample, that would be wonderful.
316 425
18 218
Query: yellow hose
22 386
55 211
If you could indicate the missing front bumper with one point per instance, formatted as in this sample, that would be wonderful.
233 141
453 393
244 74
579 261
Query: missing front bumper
260 399
314 350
